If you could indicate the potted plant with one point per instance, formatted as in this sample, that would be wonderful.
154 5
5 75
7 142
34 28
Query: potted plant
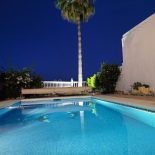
136 87
144 89
139 88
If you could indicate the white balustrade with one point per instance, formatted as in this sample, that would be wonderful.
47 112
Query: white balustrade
60 84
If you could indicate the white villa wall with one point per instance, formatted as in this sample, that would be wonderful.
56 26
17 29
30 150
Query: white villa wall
138 47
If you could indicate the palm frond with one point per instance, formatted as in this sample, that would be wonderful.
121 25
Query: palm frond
73 10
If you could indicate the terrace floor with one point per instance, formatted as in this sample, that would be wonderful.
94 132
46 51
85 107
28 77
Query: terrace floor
7 103
147 102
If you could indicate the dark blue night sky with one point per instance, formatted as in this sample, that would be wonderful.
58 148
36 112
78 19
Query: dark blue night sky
33 34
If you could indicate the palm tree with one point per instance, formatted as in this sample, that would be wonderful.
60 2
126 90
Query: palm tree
77 11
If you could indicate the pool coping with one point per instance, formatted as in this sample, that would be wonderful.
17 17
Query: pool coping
52 98
135 103
7 103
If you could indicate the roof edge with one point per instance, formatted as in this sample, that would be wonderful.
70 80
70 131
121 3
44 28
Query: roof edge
139 25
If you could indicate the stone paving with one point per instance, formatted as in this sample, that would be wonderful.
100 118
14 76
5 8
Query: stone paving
7 103
146 102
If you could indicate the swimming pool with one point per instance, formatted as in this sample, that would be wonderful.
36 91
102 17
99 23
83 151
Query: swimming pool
86 126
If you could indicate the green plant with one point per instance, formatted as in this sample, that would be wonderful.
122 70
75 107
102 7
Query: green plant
2 87
107 78
91 81
136 85
146 86
36 81
12 81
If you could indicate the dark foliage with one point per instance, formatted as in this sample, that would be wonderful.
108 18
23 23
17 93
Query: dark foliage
36 81
107 78
2 86
12 81
136 85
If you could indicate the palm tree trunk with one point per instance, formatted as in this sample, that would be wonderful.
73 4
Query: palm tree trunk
80 76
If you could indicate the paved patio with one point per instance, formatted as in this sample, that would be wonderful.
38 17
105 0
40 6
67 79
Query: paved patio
146 102
7 103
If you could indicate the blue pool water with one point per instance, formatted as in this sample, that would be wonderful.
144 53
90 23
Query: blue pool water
76 127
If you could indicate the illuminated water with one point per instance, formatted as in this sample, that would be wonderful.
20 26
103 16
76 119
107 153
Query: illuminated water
76 127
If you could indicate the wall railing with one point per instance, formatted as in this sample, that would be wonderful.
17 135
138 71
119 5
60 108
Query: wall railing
60 84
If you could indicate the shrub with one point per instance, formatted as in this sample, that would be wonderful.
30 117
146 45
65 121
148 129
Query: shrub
36 81
146 86
107 78
136 85
12 81
2 88
91 81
